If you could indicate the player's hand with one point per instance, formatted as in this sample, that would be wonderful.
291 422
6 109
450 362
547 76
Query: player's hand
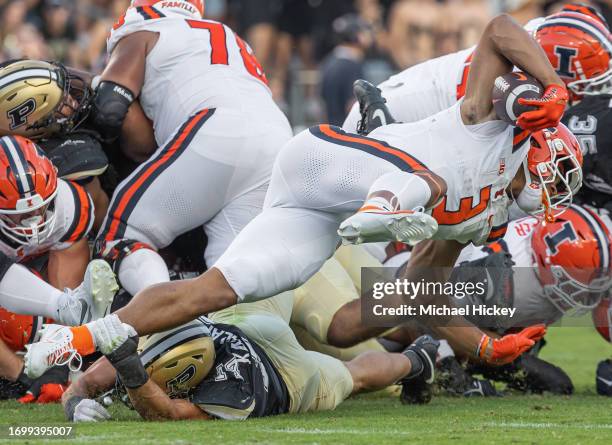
500 351
88 410
550 109
49 387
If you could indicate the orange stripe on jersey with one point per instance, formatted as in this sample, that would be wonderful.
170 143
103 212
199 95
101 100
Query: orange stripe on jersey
341 136
519 138
462 85
149 170
83 214
152 12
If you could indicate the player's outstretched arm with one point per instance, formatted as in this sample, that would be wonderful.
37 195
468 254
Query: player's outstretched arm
503 45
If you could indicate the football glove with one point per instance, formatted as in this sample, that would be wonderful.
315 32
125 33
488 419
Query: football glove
499 351
85 410
48 388
550 109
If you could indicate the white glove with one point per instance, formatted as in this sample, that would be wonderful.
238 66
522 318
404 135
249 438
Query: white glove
88 410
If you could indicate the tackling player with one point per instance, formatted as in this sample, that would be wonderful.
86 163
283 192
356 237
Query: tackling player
44 222
215 122
323 174
243 363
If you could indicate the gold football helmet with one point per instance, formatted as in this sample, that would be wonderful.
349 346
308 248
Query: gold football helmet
179 359
39 99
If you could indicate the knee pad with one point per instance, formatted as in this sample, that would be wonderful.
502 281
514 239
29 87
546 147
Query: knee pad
114 252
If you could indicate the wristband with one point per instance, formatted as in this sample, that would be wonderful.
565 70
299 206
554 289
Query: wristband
127 363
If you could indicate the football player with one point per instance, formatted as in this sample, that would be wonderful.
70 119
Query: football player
242 363
44 222
576 43
215 122
396 184
602 319
49 103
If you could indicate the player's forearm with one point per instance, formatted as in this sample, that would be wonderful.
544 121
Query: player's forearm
514 43
152 403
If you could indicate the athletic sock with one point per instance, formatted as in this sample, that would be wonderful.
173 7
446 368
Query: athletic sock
416 364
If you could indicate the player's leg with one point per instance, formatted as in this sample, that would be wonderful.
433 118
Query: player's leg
23 292
176 190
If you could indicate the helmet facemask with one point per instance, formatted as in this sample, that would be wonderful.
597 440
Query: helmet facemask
32 222
572 296
601 84
72 110
560 175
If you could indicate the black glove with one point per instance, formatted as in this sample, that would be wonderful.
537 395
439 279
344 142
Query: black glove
49 387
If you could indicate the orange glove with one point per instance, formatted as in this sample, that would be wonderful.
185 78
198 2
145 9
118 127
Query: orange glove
550 109
48 388
500 351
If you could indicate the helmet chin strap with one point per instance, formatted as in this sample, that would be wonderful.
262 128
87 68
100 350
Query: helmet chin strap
531 198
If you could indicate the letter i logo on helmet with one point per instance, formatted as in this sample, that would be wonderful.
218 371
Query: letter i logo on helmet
28 187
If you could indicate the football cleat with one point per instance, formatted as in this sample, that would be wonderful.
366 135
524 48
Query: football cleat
372 106
54 349
417 389
481 388
379 225
92 299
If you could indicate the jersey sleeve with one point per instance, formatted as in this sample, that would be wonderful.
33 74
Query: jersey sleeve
134 20
80 219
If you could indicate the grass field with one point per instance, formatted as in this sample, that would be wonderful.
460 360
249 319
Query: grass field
584 418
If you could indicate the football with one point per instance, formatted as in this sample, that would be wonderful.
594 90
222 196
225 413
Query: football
508 89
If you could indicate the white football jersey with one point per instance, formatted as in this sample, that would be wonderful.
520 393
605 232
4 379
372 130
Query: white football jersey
195 64
427 88
422 90
477 162
74 217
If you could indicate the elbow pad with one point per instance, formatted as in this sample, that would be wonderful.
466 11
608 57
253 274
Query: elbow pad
110 105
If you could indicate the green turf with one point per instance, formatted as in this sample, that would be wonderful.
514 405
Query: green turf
584 418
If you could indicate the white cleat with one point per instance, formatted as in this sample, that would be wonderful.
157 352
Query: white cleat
93 298
54 349
372 226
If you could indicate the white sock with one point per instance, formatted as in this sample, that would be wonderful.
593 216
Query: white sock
23 292
406 191
142 269
445 350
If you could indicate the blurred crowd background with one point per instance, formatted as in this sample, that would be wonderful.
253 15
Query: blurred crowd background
312 50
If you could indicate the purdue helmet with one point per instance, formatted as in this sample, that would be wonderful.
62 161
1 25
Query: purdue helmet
179 359
39 99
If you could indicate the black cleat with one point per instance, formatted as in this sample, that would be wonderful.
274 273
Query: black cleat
481 388
372 107
417 389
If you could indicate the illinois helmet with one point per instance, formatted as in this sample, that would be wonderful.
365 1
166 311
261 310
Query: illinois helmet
192 7
602 319
573 260
28 187
555 158
179 359
39 99
579 48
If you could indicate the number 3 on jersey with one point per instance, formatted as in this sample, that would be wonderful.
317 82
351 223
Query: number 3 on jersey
219 53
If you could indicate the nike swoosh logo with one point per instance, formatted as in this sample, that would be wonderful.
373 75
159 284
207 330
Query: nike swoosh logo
84 310
477 390
381 116
607 382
